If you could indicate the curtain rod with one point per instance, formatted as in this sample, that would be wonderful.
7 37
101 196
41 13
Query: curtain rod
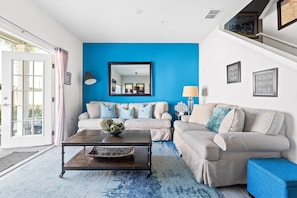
23 31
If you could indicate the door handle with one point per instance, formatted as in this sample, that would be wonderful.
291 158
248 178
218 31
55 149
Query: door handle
5 105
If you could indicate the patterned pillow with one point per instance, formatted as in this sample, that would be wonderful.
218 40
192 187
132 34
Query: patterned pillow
126 114
217 116
145 111
108 111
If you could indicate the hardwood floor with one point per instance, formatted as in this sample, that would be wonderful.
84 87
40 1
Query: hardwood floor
4 152
237 191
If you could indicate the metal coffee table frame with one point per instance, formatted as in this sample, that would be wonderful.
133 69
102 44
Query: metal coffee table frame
139 139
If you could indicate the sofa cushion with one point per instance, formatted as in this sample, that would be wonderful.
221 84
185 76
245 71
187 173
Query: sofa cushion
181 127
184 126
201 142
93 110
108 111
126 114
94 124
147 123
217 116
145 111
263 121
201 113
233 121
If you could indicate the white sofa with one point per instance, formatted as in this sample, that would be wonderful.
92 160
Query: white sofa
220 158
159 124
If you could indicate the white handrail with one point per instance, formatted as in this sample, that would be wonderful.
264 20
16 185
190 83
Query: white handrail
277 39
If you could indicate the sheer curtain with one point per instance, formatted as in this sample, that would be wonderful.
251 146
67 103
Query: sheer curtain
61 68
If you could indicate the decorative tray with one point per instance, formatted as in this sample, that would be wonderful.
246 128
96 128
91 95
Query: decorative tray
111 152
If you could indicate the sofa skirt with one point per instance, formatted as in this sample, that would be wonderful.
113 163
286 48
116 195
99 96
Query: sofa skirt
230 169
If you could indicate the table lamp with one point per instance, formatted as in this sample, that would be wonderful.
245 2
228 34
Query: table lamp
190 92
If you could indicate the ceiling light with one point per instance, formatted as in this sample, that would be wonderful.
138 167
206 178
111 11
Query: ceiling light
139 11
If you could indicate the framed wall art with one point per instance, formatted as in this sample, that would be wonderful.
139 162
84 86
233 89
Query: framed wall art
234 72
265 83
67 78
244 23
286 12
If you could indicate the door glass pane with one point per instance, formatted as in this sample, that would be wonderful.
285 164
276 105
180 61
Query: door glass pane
27 127
38 83
17 67
14 113
17 82
27 98
28 68
38 68
27 110
38 98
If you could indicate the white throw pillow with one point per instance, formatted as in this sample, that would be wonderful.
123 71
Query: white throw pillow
201 113
259 121
158 110
93 110
233 121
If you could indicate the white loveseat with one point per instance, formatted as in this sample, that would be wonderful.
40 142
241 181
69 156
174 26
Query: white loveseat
158 122
220 158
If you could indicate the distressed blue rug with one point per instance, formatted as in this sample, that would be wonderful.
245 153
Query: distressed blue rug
40 178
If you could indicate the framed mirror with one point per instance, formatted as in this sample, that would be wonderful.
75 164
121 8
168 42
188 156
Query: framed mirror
130 78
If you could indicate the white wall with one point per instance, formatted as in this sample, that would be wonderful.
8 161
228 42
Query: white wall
220 49
287 34
270 27
30 17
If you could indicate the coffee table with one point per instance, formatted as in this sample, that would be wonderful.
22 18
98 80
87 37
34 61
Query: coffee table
139 139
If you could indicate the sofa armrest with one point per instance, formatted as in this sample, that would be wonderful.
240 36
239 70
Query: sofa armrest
166 116
251 142
185 118
83 116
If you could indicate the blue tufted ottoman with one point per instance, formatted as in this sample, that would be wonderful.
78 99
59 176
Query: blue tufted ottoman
272 178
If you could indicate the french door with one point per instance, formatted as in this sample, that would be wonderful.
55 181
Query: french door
26 100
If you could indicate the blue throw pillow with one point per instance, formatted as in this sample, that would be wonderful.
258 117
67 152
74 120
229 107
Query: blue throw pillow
145 111
126 114
217 116
108 111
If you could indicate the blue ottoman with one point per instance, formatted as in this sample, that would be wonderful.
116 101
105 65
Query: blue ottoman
272 178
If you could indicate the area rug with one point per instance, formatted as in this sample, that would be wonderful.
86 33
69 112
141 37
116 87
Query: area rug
14 158
170 178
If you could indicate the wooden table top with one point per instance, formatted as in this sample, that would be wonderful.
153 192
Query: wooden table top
99 138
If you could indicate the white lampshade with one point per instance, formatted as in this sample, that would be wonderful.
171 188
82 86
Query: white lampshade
190 91
89 79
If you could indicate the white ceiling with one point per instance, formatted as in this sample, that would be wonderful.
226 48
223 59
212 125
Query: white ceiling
147 21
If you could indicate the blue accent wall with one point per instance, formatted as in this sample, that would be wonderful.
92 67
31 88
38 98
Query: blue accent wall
174 66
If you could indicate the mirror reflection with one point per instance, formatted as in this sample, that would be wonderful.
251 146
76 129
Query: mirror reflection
130 78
